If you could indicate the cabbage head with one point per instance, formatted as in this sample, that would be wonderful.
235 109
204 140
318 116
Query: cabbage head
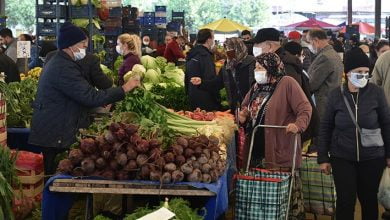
149 62
152 76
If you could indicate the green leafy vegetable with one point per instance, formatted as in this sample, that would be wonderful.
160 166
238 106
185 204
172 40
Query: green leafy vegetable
149 62
161 63
171 96
152 76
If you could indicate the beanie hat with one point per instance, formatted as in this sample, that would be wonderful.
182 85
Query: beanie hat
266 34
69 35
293 47
355 58
294 35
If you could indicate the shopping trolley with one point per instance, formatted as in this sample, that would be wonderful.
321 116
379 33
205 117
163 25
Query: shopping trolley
264 194
318 189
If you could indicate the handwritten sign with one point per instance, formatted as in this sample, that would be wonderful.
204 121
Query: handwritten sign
23 49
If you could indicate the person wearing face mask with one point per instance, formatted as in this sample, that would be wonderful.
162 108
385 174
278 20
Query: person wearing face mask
64 97
326 69
174 52
377 49
276 99
357 166
146 47
201 85
129 46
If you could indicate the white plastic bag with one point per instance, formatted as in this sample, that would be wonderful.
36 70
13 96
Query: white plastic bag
384 189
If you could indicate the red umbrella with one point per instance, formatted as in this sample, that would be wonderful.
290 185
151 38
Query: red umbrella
312 23
364 28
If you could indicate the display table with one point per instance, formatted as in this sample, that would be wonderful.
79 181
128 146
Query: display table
59 193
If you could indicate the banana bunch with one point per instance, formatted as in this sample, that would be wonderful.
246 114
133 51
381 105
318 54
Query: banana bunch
33 73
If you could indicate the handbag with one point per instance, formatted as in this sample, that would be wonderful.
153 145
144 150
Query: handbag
369 137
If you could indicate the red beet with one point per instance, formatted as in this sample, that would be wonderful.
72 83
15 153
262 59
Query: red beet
154 143
145 172
76 156
206 178
203 159
65 166
214 140
207 153
169 157
131 129
195 176
88 166
155 175
135 138
177 176
114 165
206 168
180 160
120 147
120 134
100 141
106 155
155 153
100 163
108 174
142 159
142 146
182 141
177 149
196 165
198 151
122 175
106 147
170 167
131 165
109 137
188 152
88 146
186 168
131 153
114 127
166 178
214 176
94 156
203 139
121 159
160 163
77 172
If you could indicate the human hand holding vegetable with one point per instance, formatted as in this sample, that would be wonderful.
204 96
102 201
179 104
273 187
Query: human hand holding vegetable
196 81
131 84
325 167
243 115
292 128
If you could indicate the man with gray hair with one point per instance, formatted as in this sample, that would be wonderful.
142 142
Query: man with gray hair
326 69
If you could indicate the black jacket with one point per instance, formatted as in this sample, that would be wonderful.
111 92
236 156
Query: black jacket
294 68
91 70
63 98
206 96
10 69
244 78
338 132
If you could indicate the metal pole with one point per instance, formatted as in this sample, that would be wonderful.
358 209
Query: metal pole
349 11
378 11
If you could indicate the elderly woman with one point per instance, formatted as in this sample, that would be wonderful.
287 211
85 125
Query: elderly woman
276 99
357 165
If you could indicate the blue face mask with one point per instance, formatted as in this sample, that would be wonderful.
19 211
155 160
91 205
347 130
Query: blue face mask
80 55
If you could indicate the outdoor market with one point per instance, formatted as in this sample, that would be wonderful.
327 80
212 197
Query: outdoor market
215 110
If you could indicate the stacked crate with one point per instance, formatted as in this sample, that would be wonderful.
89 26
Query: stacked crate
113 25
177 23
149 25
130 22
161 17
50 15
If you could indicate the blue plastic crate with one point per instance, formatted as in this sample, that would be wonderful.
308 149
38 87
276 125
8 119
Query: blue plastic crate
160 8
82 11
148 21
47 29
115 12
126 22
113 31
160 20
177 14
149 14
51 11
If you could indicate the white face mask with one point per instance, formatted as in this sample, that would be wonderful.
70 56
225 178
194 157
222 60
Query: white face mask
359 80
146 43
80 55
301 59
261 77
119 50
312 49
212 45
257 51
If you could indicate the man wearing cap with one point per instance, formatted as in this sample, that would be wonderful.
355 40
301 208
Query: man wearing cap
326 69
64 96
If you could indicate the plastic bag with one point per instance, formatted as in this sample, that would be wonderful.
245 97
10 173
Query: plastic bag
384 189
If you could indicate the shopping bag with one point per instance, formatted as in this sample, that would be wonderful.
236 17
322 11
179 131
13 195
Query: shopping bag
318 189
384 189
262 195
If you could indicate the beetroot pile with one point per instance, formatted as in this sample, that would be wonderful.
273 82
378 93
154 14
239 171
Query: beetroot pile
121 154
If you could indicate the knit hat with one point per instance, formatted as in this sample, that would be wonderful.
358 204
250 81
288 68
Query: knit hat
293 47
355 58
69 35
272 63
294 35
266 34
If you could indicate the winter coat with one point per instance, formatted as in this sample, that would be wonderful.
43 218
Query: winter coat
325 75
8 66
294 68
244 78
129 61
173 52
338 132
205 96
63 98
288 104
91 70
381 74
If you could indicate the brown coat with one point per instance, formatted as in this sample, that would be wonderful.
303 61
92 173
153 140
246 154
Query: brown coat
288 104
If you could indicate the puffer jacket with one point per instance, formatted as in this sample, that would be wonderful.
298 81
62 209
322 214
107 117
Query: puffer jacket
338 134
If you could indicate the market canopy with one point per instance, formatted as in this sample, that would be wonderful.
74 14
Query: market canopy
364 28
312 23
225 25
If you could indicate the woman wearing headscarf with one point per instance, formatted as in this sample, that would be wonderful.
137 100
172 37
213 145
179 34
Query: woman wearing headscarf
276 99
354 109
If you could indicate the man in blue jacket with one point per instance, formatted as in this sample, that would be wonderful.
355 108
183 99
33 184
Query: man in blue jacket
64 95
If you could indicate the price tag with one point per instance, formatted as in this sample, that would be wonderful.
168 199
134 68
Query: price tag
23 49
